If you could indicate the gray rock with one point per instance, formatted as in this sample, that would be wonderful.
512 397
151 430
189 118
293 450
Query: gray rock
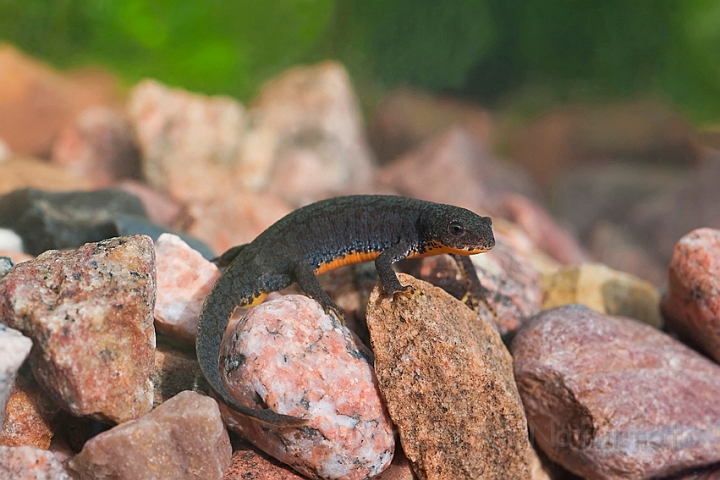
14 348
6 264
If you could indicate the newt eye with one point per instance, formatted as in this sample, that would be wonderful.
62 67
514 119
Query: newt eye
456 229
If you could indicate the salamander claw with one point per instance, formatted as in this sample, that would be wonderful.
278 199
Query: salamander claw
407 291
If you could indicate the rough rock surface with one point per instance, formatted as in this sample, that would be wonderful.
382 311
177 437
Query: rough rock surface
249 464
611 398
89 312
513 288
30 416
175 371
290 355
184 279
182 438
691 305
447 379
14 349
604 290
307 139
184 137
30 463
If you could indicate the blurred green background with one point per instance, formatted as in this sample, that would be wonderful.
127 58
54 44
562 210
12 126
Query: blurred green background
498 52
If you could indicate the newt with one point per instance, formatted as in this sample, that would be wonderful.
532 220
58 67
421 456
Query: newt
323 236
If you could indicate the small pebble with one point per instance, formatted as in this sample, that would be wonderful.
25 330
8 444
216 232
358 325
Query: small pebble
30 463
14 349
184 279
30 416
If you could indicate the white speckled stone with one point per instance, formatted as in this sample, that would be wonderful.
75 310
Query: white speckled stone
301 361
184 279
14 348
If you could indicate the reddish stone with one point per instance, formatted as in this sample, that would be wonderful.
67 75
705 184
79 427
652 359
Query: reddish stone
453 168
249 464
289 355
611 398
30 416
542 229
36 102
182 438
238 219
691 305
90 314
448 383
160 208
100 145
405 118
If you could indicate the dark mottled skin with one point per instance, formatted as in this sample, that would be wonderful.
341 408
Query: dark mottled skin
296 246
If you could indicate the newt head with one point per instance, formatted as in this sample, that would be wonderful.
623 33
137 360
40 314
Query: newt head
456 230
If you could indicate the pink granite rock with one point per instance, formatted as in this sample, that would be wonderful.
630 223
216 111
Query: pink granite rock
182 438
289 355
513 286
691 305
448 383
30 463
610 398
184 278
185 137
306 139
90 314
100 145
14 349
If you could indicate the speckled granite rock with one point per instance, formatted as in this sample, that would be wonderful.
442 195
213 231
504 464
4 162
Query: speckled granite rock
30 416
448 386
611 398
175 371
182 438
604 290
184 278
14 349
291 356
691 305
30 463
89 312
514 291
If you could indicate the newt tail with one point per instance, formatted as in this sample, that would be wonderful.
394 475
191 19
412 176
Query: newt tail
323 236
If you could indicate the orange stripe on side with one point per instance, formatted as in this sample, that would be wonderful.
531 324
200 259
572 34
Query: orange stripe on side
347 259
254 300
